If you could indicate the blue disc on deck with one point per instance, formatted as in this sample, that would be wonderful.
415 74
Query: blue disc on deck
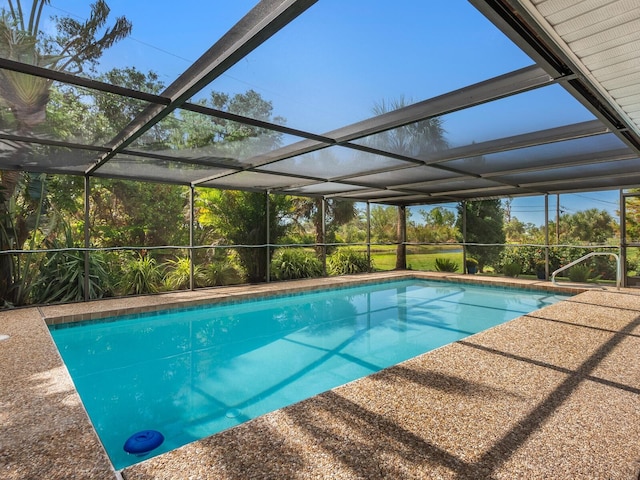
143 442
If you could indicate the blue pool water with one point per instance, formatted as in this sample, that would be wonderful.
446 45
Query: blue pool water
194 372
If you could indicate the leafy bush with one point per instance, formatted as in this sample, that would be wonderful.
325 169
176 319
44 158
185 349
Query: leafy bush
62 276
179 273
141 275
603 267
632 265
292 263
445 265
579 273
529 257
525 256
484 225
512 269
222 272
541 269
345 261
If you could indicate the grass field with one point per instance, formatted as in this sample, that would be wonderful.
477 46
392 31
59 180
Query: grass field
418 257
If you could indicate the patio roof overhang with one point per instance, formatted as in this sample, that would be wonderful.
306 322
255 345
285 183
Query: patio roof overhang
586 50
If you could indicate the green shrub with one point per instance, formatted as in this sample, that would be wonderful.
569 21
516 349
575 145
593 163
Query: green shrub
579 273
445 265
529 257
603 267
141 275
61 274
512 269
345 261
541 269
222 272
525 256
292 263
632 266
178 275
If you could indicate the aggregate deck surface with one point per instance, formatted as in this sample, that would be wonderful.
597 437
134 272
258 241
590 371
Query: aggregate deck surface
550 395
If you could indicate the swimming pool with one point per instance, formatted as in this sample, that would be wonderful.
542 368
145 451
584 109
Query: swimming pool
191 373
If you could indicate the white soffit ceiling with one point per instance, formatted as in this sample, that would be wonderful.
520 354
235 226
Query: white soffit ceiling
602 38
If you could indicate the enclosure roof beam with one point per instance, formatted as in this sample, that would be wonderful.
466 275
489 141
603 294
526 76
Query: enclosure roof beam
532 139
212 112
81 81
613 155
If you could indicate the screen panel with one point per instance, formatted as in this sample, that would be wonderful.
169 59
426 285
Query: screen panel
334 162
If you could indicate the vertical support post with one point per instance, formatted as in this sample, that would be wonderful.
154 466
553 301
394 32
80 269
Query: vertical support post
623 239
324 235
87 239
401 251
546 236
557 219
191 239
464 237
268 229
369 234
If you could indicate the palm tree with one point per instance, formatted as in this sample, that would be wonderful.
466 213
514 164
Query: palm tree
414 140
337 213
76 46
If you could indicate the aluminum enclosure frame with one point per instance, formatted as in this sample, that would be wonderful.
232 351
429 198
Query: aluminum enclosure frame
454 183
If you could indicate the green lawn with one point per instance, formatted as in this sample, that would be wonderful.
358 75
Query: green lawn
418 258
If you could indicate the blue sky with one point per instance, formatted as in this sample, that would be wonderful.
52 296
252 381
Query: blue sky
339 53
331 66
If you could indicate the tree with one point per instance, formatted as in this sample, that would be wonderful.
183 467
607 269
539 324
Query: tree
485 222
520 232
239 218
236 217
355 230
76 46
226 137
439 226
119 111
127 212
337 213
632 220
384 223
417 140
135 213
591 225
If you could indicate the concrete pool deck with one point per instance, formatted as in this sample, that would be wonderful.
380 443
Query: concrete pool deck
553 394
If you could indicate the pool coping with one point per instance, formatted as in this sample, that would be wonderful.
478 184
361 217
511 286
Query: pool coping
42 408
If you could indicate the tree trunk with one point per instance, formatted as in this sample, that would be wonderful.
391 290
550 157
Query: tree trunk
401 252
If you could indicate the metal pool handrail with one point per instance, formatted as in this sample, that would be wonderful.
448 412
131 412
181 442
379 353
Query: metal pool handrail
588 255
